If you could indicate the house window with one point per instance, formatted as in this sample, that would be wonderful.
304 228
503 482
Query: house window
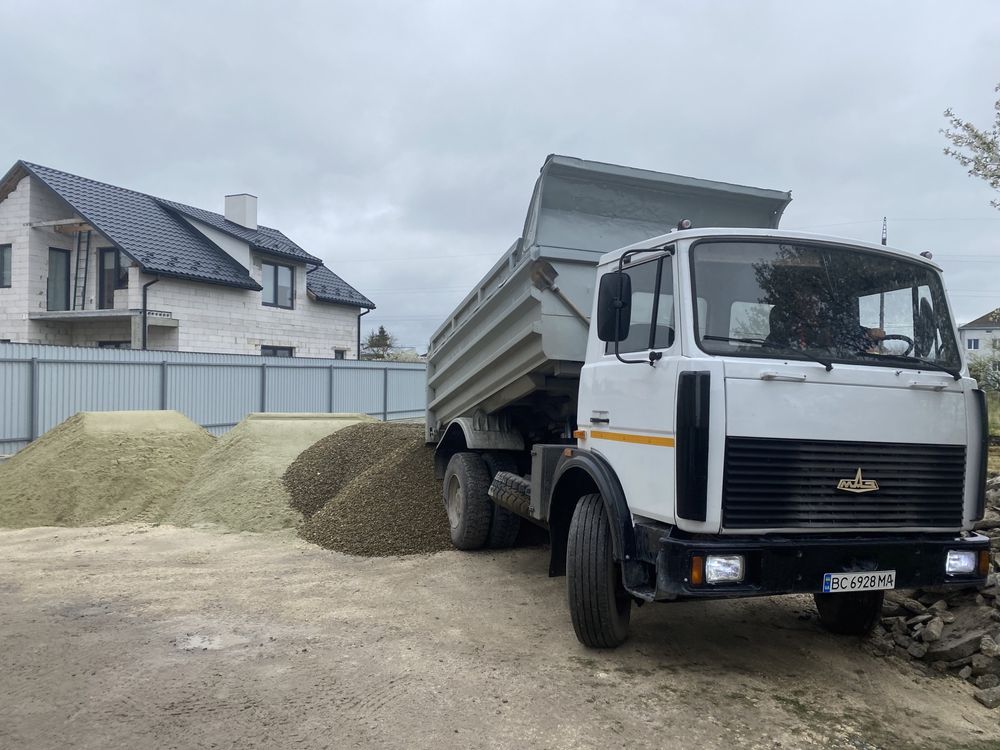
973 344
114 344
279 285
58 284
277 351
112 277
340 353
4 265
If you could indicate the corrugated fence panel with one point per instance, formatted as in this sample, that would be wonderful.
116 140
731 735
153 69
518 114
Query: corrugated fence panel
406 393
214 390
64 388
358 390
298 389
15 416
213 394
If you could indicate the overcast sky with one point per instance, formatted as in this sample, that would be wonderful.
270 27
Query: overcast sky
399 141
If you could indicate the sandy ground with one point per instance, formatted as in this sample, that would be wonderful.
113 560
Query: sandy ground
142 636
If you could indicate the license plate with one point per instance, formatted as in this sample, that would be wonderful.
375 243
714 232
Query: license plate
876 580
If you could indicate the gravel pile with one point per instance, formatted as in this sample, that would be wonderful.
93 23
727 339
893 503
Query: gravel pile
322 470
100 468
370 490
237 484
947 631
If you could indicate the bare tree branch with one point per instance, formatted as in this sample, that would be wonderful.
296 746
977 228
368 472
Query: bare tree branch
976 150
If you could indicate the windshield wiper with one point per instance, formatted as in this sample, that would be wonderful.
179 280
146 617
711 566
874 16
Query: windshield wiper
914 360
777 347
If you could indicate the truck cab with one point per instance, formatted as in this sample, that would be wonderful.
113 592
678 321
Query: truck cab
785 413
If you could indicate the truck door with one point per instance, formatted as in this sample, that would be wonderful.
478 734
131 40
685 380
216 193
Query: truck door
626 403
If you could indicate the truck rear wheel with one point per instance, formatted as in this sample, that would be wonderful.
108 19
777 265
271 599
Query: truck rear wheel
850 613
598 603
470 510
505 523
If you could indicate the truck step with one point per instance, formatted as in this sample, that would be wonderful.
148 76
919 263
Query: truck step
512 492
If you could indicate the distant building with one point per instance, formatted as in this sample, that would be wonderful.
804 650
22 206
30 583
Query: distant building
982 335
90 264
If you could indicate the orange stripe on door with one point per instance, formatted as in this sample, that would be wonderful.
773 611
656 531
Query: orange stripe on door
625 437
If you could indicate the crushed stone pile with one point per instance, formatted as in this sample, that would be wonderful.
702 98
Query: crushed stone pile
99 468
370 490
948 631
237 484
322 470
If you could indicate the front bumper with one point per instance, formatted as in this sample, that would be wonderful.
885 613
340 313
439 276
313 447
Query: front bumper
787 564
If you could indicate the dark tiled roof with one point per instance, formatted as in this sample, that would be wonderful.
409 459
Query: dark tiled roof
158 241
326 286
263 239
150 231
989 320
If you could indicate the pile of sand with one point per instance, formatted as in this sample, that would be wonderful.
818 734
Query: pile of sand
101 467
370 490
237 484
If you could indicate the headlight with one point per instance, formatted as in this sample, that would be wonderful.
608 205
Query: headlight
724 568
960 561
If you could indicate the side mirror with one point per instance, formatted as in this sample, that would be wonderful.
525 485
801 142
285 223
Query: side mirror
614 306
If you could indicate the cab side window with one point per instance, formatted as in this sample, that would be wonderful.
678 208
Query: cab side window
652 322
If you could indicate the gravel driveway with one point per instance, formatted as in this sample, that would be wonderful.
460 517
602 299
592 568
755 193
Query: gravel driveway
141 636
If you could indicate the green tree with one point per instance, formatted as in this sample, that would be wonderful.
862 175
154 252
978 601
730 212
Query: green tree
976 150
378 345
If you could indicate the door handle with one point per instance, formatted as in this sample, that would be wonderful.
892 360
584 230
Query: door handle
600 420
927 385
795 377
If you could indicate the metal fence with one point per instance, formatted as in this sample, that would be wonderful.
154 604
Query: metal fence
40 386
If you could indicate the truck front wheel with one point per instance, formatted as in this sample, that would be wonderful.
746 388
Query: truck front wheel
598 603
470 510
850 613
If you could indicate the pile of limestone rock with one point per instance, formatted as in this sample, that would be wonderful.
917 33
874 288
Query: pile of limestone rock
951 631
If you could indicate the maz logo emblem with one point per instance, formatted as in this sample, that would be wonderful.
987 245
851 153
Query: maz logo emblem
858 484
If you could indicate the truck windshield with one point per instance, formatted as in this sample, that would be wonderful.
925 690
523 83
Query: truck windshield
826 303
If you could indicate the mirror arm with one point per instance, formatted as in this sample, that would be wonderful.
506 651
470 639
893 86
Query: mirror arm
654 357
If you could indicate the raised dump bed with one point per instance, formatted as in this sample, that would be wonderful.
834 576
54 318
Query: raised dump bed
519 338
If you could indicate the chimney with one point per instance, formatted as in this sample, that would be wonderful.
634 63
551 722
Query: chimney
242 209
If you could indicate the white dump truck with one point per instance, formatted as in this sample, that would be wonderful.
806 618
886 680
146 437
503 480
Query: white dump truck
697 404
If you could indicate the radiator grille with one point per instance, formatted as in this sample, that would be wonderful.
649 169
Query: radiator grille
771 483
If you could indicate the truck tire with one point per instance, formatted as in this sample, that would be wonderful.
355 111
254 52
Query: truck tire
512 491
598 603
505 524
851 613
470 510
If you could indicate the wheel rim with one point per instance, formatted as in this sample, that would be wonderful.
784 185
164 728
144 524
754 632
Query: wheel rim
455 501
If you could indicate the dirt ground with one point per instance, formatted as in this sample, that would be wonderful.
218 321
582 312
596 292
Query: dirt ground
143 636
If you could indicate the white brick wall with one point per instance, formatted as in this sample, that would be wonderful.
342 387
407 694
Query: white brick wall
988 338
212 318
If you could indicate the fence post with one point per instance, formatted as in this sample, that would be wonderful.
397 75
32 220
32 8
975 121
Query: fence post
33 401
263 386
163 385
385 393
329 395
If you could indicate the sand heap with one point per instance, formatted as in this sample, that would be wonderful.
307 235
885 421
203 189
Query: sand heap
370 490
101 467
237 484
